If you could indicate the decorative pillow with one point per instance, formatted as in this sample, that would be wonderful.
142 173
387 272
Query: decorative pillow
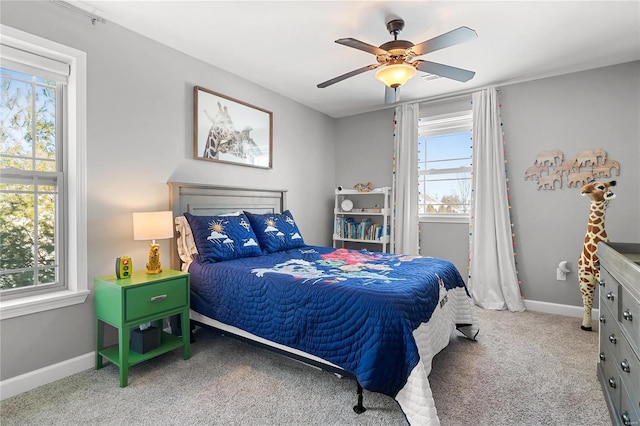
276 231
223 237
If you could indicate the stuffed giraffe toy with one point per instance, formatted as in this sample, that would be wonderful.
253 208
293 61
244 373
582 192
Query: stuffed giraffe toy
588 265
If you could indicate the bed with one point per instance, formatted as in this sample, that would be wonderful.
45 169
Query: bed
378 318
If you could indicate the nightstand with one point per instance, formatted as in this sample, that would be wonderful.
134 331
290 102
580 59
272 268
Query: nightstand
129 302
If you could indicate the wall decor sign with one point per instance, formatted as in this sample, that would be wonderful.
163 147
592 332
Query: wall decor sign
549 168
231 131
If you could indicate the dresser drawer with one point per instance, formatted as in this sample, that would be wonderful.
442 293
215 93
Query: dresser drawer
629 408
610 336
609 288
145 300
628 367
630 317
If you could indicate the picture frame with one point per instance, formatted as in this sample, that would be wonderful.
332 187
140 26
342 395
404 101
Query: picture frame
228 130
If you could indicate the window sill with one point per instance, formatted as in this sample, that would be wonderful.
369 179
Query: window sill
43 302
445 218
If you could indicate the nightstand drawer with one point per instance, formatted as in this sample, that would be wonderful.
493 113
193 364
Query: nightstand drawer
145 300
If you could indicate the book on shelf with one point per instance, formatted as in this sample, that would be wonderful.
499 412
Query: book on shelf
366 229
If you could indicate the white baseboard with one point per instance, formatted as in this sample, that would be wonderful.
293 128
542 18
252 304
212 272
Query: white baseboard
555 308
33 379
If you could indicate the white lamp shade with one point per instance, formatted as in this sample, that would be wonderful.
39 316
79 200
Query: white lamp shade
152 225
395 75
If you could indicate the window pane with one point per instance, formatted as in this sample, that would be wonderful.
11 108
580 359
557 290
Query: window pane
45 117
17 112
16 230
449 145
46 229
47 276
16 279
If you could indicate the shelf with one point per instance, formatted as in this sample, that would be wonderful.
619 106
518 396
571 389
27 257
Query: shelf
384 240
375 191
167 343
382 212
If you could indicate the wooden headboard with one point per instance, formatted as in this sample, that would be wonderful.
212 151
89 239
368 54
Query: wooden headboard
210 200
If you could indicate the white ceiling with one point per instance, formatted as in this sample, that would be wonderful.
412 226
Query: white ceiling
288 46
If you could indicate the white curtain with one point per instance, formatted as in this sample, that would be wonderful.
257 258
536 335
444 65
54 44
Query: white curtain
404 219
493 280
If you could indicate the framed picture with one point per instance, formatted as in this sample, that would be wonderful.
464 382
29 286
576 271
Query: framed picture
231 131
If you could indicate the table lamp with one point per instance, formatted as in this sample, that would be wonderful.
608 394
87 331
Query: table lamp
153 226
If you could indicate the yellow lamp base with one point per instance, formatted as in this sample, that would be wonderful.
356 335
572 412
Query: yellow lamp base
153 266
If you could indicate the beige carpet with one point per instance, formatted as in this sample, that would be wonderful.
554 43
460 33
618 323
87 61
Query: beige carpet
526 369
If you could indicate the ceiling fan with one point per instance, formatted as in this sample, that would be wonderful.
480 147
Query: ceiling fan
396 61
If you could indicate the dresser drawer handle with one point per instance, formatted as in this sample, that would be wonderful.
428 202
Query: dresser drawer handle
602 357
625 366
611 296
626 419
627 315
602 283
603 319
612 382
613 339
156 299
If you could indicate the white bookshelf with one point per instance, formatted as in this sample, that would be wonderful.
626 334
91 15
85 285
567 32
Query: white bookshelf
363 218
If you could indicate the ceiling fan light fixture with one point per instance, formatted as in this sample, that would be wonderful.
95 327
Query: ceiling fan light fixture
395 75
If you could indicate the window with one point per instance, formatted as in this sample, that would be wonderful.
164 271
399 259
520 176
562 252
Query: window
32 186
444 166
42 169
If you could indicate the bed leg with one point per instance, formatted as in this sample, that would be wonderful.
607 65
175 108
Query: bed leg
359 409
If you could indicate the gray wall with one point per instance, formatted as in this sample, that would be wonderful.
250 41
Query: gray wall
139 136
580 111
364 149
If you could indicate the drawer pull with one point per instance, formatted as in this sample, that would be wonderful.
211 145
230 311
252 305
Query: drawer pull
602 319
627 315
625 366
602 283
626 419
613 339
611 296
602 357
156 299
612 382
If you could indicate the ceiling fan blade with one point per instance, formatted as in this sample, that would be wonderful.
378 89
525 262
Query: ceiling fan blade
347 75
446 71
360 45
391 95
451 38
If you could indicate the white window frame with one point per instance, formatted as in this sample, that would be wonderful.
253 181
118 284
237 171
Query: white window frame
76 287
438 125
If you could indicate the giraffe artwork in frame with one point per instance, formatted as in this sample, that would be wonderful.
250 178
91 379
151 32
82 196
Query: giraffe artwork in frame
231 131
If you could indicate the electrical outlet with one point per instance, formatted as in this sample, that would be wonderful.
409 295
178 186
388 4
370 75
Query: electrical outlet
561 276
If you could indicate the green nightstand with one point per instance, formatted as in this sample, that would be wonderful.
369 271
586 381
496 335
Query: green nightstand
129 302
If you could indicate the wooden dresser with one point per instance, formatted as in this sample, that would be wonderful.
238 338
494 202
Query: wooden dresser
619 361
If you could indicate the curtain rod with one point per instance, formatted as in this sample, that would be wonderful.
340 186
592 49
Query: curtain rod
447 97
94 18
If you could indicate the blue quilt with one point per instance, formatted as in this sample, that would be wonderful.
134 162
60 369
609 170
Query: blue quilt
355 309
